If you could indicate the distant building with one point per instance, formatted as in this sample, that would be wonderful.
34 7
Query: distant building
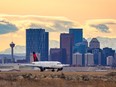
89 59
114 63
77 34
37 40
110 60
85 42
115 57
97 56
58 54
7 58
105 53
80 47
66 42
21 61
77 59
94 43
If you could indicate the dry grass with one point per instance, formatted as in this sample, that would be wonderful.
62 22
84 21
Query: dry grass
52 82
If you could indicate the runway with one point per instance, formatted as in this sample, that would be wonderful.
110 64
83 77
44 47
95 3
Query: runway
18 67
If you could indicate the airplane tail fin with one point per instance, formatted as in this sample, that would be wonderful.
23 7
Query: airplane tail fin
35 57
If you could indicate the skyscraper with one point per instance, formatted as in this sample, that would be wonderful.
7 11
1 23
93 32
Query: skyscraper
77 34
66 43
37 40
80 47
94 43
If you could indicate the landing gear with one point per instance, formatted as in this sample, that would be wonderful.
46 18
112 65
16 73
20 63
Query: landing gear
53 70
42 69
60 69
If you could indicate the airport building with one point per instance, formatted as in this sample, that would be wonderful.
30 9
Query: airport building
89 59
37 40
77 59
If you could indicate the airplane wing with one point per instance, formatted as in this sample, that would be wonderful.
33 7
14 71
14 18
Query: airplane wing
65 65
30 65
33 65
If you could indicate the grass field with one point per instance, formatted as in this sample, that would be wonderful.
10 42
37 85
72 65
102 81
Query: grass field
55 79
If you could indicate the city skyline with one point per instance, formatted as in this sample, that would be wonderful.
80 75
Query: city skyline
37 41
96 18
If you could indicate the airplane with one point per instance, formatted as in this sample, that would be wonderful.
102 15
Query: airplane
43 65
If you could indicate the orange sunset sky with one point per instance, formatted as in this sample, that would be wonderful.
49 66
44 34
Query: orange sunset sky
96 17
78 10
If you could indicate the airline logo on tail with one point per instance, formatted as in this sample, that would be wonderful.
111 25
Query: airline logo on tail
35 57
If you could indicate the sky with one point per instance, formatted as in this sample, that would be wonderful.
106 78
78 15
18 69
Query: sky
96 17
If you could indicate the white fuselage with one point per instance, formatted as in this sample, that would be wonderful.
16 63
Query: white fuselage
43 65
48 64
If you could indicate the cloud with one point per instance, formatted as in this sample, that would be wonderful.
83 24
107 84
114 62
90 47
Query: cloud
102 24
6 27
101 27
101 21
17 49
51 24
61 24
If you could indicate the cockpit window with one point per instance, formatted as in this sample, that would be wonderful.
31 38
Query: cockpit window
58 63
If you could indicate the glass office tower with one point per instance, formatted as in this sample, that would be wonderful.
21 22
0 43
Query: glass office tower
77 34
37 40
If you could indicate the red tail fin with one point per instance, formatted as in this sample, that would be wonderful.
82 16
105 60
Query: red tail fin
35 57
